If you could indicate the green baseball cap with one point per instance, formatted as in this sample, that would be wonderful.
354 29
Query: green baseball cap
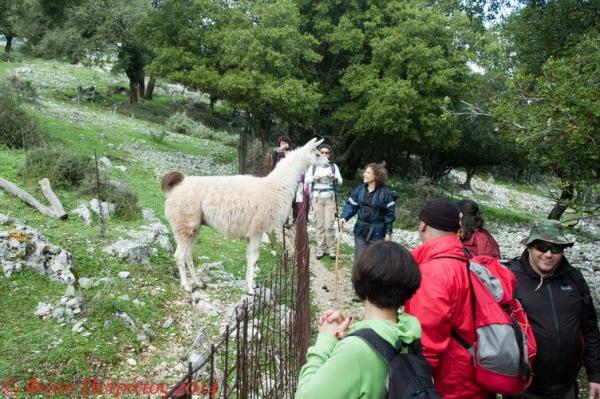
548 230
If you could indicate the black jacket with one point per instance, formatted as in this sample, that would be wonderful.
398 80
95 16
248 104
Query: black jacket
564 322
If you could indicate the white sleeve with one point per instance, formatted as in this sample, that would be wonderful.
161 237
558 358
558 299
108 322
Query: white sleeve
308 175
339 180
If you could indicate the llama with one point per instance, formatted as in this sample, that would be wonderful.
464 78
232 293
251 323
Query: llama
237 206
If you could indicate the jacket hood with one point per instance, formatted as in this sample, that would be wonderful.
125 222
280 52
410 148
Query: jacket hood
406 329
448 246
563 267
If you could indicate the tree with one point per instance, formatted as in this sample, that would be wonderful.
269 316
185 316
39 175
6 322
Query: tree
416 68
10 13
556 118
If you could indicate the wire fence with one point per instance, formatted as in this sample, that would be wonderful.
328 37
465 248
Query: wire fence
260 353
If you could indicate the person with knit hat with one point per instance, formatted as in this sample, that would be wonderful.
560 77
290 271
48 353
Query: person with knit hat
443 302
558 303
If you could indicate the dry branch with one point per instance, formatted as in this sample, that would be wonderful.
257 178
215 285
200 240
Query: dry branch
55 210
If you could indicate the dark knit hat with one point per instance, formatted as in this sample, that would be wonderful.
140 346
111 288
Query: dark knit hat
441 214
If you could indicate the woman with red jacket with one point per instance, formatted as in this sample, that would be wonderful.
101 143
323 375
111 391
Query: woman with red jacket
475 239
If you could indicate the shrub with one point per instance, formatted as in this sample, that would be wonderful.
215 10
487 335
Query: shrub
62 167
181 123
18 129
412 197
158 135
125 201
20 88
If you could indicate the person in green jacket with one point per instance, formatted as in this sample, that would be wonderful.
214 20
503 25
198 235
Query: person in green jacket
384 277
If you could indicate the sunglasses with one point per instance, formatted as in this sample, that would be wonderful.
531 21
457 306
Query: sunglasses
325 152
544 247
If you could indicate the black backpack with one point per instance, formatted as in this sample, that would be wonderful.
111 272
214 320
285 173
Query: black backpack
409 375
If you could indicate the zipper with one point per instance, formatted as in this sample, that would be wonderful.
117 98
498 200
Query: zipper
555 316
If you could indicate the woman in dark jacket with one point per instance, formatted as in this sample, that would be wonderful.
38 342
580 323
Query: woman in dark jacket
476 239
375 205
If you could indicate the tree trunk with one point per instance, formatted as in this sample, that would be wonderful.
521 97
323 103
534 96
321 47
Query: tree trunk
242 150
470 173
211 107
349 161
263 134
8 46
136 85
563 203
55 210
150 89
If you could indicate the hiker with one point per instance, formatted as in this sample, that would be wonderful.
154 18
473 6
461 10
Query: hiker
344 367
283 146
323 182
475 239
443 302
557 300
375 205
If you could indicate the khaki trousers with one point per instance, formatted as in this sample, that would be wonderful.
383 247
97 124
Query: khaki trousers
324 209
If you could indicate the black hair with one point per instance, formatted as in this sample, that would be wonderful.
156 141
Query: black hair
386 274
283 138
471 219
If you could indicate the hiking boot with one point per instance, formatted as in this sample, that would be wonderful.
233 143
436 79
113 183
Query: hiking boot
319 255
356 299
332 255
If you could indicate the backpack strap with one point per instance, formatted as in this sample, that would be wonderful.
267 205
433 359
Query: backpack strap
578 280
378 344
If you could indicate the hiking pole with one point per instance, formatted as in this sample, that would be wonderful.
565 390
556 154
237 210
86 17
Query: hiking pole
337 246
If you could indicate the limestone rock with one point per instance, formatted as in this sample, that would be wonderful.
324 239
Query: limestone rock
24 247
83 212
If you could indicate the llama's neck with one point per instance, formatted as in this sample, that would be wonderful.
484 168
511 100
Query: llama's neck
287 173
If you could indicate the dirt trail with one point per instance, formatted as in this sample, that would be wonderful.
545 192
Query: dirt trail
324 298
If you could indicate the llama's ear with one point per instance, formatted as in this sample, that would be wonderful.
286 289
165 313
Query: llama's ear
318 143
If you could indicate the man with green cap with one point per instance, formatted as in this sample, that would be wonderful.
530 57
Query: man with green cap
559 306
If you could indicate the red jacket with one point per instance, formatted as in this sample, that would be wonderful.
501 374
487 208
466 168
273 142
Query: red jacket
482 243
441 304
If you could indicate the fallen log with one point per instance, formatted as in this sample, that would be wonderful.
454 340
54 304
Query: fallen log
55 210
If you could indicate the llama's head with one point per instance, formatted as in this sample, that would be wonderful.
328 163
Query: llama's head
313 155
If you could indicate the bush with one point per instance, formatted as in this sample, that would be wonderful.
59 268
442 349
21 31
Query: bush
18 129
125 201
18 87
62 167
412 197
181 123
158 135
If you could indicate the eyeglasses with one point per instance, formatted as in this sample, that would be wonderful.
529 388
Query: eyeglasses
545 247
286 150
325 152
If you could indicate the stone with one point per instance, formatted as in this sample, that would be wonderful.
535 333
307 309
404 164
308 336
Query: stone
129 251
5 220
168 322
108 208
58 313
85 283
123 298
121 168
148 214
123 274
84 213
78 327
138 302
24 247
43 310
131 362
70 291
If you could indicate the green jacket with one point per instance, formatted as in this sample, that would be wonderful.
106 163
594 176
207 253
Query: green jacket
349 368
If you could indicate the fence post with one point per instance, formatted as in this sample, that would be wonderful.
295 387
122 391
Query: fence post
302 316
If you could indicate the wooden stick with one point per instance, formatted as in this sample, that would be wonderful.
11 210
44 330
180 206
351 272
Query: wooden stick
56 210
337 260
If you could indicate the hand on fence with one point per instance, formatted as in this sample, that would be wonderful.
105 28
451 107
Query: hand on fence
388 237
333 322
342 223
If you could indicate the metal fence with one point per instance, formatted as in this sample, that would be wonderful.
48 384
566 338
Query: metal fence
260 353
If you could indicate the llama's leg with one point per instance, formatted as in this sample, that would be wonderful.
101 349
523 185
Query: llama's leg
252 254
180 254
189 262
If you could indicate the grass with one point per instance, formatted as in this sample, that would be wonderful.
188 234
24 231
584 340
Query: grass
46 350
